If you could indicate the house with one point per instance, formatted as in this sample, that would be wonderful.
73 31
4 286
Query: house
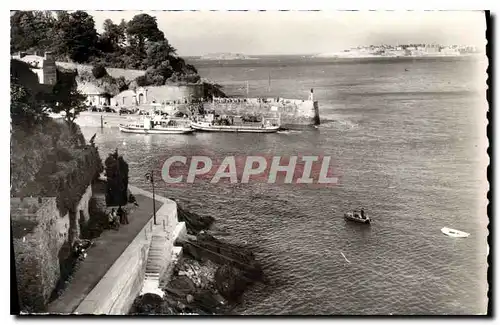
44 66
126 98
96 96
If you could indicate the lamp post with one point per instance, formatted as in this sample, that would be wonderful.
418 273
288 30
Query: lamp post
149 177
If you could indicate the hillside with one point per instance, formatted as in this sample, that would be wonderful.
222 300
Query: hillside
128 74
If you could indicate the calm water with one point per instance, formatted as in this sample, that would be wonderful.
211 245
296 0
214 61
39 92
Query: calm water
407 145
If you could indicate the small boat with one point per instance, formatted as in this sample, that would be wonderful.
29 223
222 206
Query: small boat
149 126
357 217
454 233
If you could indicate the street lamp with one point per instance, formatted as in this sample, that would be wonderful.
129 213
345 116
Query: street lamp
149 177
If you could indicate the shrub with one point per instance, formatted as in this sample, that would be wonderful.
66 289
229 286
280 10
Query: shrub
99 71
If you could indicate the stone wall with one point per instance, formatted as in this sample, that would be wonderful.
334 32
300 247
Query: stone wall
166 93
159 94
117 290
41 237
293 112
36 249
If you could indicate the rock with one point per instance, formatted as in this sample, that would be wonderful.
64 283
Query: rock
182 284
194 222
148 304
230 282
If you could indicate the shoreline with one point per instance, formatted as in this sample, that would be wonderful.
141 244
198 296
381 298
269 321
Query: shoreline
209 278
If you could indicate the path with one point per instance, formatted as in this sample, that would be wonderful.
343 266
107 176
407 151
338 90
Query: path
106 250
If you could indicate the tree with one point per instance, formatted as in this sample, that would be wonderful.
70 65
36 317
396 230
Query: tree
117 179
158 53
141 29
31 30
76 35
114 34
67 98
26 94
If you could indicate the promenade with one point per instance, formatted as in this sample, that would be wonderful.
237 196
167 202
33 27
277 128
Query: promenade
106 249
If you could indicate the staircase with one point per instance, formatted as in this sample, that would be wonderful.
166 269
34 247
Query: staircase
155 262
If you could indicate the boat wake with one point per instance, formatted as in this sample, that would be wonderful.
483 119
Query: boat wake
289 132
339 124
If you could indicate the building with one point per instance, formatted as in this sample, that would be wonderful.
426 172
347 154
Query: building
43 66
96 96
164 95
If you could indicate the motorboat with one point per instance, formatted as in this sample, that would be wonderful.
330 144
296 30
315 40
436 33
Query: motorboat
160 126
357 217
210 123
454 233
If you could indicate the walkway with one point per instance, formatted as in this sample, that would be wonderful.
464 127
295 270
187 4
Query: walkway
106 250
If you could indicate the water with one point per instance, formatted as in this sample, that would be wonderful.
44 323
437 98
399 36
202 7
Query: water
408 147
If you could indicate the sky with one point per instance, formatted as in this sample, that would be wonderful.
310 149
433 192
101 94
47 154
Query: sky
306 32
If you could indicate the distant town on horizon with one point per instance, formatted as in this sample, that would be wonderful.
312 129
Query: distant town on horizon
382 50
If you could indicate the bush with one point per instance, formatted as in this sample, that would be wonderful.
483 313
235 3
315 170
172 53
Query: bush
99 71
117 180
141 81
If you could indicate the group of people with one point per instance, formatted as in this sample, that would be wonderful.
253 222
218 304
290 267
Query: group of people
117 217
359 213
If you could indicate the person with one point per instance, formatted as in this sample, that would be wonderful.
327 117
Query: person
112 219
123 216
362 213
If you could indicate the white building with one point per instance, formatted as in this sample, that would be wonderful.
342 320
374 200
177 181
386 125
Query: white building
95 95
43 66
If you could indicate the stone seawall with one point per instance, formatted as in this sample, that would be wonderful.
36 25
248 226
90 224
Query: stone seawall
292 112
123 282
295 113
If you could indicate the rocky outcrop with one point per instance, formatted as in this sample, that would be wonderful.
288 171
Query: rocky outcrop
194 222
210 277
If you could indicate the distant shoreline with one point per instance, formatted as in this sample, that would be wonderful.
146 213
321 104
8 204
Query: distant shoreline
316 57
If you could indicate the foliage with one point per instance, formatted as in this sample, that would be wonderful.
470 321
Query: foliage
99 71
113 36
32 30
212 89
117 179
76 35
142 28
52 159
66 96
137 44
158 53
27 96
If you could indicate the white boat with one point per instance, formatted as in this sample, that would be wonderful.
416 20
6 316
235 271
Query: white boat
163 126
209 124
454 233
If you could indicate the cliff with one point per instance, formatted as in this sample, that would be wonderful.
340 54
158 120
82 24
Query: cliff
51 171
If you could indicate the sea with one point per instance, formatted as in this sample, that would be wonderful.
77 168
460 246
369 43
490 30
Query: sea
407 137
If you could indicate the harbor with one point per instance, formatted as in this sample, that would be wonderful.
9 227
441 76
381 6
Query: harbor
151 178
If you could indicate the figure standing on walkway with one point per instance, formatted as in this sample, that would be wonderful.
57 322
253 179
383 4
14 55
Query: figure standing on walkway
123 216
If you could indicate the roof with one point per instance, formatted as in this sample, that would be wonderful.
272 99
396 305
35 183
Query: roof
35 61
126 93
88 88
